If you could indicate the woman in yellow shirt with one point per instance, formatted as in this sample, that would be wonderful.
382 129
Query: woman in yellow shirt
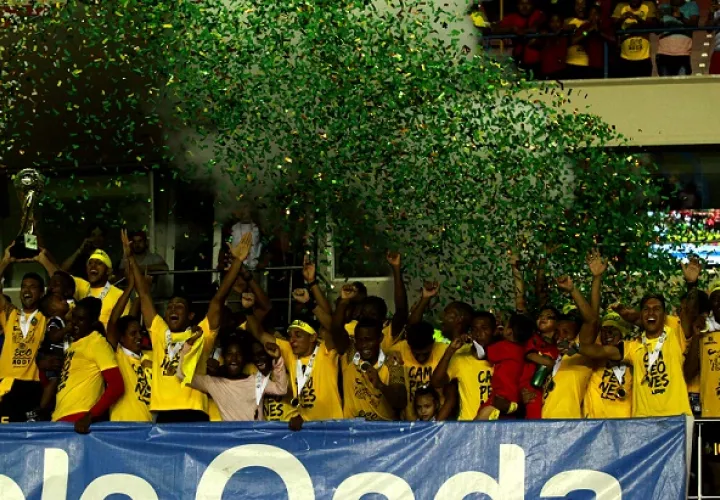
90 382
577 59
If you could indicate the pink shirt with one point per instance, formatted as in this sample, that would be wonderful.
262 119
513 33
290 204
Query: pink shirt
236 397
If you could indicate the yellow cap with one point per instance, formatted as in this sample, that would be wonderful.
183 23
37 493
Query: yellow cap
102 257
568 308
303 326
614 320
714 287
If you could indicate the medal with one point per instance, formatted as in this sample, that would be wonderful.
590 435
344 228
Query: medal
551 386
621 393
294 402
364 367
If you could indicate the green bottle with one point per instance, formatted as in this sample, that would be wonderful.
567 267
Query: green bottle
541 374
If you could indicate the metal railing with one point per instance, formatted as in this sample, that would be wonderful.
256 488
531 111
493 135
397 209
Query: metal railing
486 39
699 423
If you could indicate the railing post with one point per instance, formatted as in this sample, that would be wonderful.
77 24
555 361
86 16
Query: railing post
699 461
606 59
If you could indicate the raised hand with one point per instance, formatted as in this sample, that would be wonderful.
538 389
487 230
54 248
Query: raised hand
373 376
196 334
272 349
430 289
565 283
242 249
248 300
596 263
308 270
348 292
457 343
301 295
127 249
393 259
6 255
691 270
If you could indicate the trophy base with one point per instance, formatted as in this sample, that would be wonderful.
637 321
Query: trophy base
20 250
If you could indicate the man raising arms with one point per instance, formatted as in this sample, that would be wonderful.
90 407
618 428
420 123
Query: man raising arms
169 399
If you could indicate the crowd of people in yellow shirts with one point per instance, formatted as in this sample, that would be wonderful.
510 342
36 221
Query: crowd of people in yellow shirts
75 351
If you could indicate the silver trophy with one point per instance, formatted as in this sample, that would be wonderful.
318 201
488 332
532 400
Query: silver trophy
29 185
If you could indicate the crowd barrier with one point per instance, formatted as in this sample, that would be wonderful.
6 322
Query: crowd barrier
346 460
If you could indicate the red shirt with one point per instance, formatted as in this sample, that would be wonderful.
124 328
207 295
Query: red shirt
536 344
521 53
553 55
508 359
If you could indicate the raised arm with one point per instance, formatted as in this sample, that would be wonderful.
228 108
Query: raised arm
310 275
691 273
68 263
112 334
692 359
440 377
308 303
400 318
43 258
597 266
429 290
589 316
519 284
7 259
263 305
278 383
340 337
257 331
141 286
240 253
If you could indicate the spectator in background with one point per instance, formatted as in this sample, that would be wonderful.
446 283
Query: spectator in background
146 260
526 20
713 20
554 49
478 17
673 52
598 35
634 49
578 62
94 240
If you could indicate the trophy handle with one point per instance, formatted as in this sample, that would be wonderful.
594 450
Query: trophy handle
28 220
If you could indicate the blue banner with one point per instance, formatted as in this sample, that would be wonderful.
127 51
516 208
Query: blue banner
347 460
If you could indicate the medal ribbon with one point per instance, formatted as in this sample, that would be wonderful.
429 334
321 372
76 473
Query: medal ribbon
655 354
103 292
378 365
261 383
302 376
26 321
556 366
619 372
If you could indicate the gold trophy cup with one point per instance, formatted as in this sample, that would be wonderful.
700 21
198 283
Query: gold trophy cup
29 185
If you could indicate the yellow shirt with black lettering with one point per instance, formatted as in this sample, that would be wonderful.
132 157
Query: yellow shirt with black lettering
663 391
168 392
320 398
565 391
576 54
134 404
474 378
387 342
635 47
17 360
710 375
362 399
83 289
417 375
275 408
81 382
602 399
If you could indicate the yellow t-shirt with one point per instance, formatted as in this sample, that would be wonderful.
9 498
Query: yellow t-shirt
134 404
664 392
362 399
81 382
710 375
635 48
167 392
568 388
83 289
275 408
320 398
602 399
387 342
474 378
417 375
17 360
576 54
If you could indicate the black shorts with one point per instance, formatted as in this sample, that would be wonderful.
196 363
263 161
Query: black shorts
24 397
181 416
